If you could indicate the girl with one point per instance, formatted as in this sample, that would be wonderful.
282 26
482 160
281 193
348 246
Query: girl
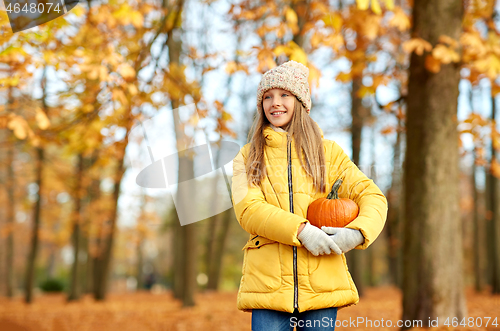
295 274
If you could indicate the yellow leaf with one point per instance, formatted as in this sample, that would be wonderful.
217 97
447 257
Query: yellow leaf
495 90
363 4
248 14
316 39
314 76
77 10
473 43
432 64
291 16
281 49
193 120
417 45
132 89
42 119
35 141
371 26
448 40
281 30
137 19
389 4
495 168
117 94
226 117
344 77
126 71
365 90
337 21
388 129
19 126
376 7
493 40
87 108
496 141
103 73
299 55
334 20
380 80
334 40
489 65
400 20
94 72
231 67
445 54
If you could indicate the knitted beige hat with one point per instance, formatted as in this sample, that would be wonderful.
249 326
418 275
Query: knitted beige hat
291 76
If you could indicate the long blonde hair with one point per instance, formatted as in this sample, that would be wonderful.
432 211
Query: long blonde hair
307 139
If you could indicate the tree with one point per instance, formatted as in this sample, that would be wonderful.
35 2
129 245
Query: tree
432 270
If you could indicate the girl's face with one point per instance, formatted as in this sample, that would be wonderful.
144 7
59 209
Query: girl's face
278 106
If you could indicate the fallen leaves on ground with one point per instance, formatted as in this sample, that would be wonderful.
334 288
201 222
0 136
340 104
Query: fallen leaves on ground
145 311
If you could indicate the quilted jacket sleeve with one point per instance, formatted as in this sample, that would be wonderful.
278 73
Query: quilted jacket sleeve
256 215
358 187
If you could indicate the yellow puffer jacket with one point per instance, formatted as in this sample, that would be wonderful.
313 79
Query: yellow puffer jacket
278 272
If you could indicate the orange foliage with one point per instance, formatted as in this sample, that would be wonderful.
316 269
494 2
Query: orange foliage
214 311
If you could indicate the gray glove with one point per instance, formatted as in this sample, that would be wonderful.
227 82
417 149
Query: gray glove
345 238
316 241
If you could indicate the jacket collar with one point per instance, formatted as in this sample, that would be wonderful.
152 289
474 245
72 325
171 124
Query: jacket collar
278 138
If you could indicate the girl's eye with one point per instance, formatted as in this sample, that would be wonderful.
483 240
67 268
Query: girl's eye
267 96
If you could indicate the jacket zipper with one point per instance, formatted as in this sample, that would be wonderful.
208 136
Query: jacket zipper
290 194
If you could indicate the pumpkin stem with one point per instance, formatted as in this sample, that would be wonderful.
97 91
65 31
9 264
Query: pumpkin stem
334 192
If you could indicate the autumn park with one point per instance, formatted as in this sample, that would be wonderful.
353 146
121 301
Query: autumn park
106 224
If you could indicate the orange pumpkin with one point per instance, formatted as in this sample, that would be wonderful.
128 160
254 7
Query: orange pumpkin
332 211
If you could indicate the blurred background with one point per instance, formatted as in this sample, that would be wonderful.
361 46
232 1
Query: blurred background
409 91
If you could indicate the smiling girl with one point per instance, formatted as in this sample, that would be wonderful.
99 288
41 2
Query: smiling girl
295 274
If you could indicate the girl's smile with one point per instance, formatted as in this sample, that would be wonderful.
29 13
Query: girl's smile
278 106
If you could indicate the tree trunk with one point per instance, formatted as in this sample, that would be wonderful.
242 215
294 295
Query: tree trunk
355 257
214 277
139 250
479 223
140 264
213 226
74 291
31 263
179 257
188 238
10 212
433 261
494 223
372 252
301 8
218 238
179 276
479 236
94 193
102 263
186 264
393 230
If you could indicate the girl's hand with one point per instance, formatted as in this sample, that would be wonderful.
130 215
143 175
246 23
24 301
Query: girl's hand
345 238
316 241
